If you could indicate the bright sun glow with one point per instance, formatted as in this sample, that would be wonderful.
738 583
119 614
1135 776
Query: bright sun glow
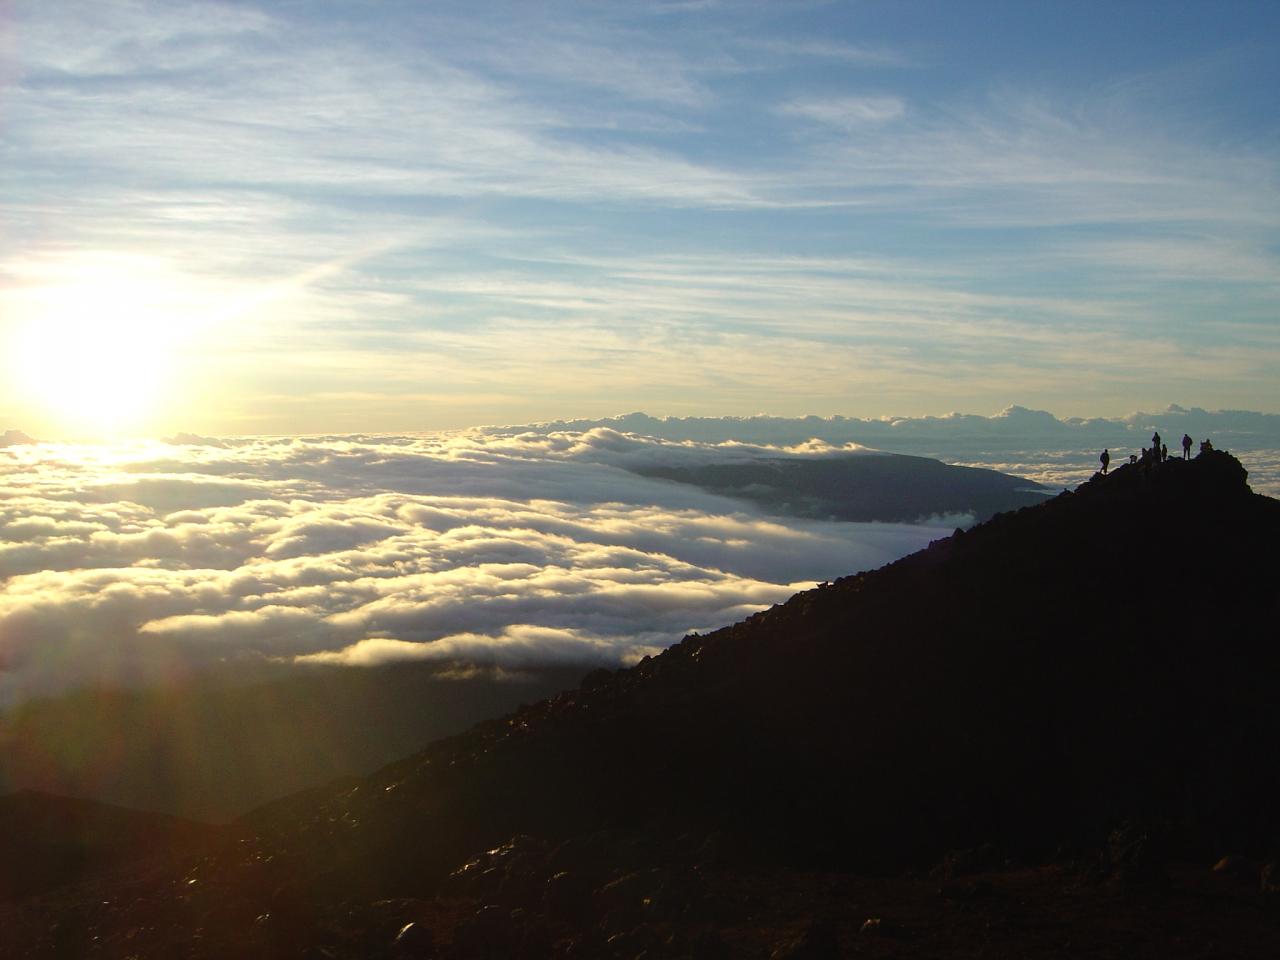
97 343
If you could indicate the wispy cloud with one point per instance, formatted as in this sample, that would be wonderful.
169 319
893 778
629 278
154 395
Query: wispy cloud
675 206
846 112
857 54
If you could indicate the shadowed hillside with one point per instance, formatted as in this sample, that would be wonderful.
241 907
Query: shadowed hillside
46 840
1086 683
215 746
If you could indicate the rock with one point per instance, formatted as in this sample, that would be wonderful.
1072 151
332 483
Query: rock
567 896
1136 855
1237 868
512 873
708 945
599 677
632 943
819 941
711 851
1269 878
414 940
490 932
966 890
958 863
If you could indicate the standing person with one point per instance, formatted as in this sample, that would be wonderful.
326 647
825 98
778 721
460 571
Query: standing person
1186 446
1155 445
1164 452
1106 460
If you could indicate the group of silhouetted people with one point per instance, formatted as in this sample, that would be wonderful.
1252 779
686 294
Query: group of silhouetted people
1158 452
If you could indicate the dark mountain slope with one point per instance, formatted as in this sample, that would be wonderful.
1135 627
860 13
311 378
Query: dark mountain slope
216 745
47 840
888 487
1105 656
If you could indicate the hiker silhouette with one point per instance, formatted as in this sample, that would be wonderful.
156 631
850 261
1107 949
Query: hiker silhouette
1186 446
1106 460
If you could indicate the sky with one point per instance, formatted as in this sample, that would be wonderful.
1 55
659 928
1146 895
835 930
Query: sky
298 217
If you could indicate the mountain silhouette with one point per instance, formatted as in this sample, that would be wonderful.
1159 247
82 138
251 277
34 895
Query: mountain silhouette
47 840
1084 682
888 487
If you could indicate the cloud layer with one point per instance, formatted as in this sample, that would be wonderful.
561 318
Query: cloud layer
138 562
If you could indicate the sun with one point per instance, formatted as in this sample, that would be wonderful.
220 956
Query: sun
97 348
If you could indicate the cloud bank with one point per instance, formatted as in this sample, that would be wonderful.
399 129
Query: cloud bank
136 563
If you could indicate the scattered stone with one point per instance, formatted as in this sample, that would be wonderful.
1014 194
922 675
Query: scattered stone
567 896
819 941
1237 868
1269 878
414 940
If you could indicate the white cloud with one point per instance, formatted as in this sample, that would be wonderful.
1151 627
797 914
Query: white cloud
847 112
131 563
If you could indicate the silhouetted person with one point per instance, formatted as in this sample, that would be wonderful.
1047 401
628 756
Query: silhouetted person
1155 444
1206 445
1106 460
1133 458
1186 446
1164 452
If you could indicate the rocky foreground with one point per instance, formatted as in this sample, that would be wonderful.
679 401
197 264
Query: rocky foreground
1036 738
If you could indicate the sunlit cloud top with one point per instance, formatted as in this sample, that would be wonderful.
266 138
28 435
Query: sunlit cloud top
135 563
280 218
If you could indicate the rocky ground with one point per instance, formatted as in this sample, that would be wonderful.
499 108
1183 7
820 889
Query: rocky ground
530 899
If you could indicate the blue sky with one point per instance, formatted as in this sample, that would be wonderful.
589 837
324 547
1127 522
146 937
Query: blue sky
321 217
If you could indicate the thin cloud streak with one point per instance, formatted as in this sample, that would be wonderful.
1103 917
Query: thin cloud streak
509 181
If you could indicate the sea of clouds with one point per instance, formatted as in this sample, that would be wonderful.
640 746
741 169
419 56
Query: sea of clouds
506 548
139 562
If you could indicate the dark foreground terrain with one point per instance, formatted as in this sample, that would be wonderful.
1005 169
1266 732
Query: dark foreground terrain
1035 739
215 745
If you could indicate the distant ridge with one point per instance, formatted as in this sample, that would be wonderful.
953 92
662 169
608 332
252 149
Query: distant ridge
48 840
13 438
1013 428
888 487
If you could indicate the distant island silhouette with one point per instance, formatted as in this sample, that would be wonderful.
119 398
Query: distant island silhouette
869 486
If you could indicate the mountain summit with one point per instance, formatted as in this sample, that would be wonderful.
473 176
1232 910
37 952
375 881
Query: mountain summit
1103 661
